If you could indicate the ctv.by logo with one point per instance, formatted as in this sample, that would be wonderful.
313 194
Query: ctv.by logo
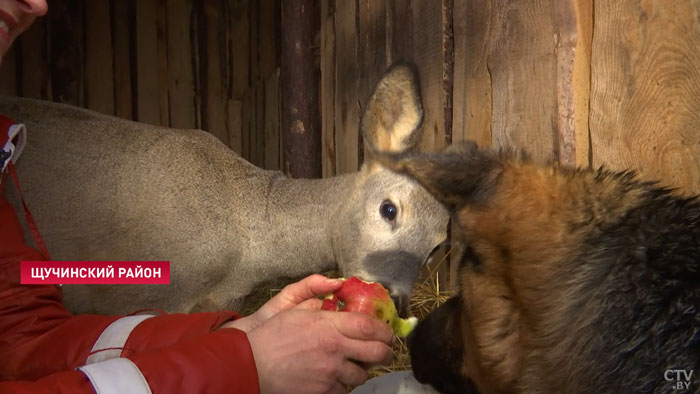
679 377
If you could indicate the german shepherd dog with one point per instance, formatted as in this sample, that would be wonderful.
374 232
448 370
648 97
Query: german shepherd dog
571 280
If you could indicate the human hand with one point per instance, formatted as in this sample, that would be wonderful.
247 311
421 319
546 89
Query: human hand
309 352
302 295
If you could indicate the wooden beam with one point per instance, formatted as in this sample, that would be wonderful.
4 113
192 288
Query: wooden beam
66 40
448 59
99 75
239 64
328 154
235 125
272 122
147 89
574 24
301 118
181 74
472 85
213 68
162 59
8 73
372 55
34 81
122 13
347 75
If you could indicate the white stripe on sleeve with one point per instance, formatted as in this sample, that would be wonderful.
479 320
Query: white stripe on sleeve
116 376
114 338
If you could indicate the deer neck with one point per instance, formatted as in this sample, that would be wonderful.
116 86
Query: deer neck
294 235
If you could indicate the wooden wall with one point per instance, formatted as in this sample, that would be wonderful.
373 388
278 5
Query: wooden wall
359 40
210 64
581 82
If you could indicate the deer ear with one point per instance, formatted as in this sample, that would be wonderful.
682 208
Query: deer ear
394 113
459 175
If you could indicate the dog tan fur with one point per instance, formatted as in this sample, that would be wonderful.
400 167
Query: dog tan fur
569 278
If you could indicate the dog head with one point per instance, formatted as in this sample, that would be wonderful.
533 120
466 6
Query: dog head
529 273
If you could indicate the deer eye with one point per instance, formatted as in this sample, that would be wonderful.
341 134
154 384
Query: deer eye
388 210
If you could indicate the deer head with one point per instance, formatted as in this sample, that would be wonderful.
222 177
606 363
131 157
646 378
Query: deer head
395 220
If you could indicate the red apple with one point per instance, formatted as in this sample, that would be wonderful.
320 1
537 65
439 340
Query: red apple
371 298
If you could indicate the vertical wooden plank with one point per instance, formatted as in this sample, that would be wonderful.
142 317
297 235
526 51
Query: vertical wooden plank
281 154
521 60
147 89
162 37
452 262
66 53
99 77
372 54
272 122
299 85
573 71
254 41
122 35
245 122
268 53
252 117
582 80
327 100
448 52
253 123
240 51
427 19
239 62
32 46
472 98
8 73
253 76
214 70
459 111
645 90
269 37
372 45
181 74
347 71
235 125
399 31
259 131
427 47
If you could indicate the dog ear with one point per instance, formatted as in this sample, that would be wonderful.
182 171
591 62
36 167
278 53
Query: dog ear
458 175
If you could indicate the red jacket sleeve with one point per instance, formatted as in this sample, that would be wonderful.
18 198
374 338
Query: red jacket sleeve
218 362
70 382
42 343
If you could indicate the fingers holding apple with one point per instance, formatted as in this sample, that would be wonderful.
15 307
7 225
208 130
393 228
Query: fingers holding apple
371 298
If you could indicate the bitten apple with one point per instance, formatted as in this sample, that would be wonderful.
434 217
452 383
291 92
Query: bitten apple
356 295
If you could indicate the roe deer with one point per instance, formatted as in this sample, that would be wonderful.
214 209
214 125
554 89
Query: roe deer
103 188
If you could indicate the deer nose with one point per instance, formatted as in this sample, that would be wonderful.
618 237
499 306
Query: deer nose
401 300
402 305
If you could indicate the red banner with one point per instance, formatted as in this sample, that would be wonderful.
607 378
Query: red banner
95 272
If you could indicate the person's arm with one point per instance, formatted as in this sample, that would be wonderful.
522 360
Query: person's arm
220 362
42 343
69 382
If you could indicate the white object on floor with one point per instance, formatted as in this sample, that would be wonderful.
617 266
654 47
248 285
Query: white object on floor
401 382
